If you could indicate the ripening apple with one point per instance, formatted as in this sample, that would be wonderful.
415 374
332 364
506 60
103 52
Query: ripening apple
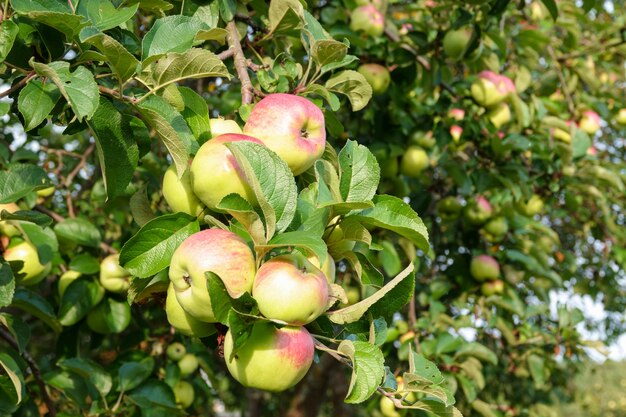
32 271
113 277
449 208
414 161
456 114
456 42
590 122
182 321
499 115
484 267
328 268
491 88
176 351
533 206
377 76
188 364
456 131
110 316
7 229
490 288
222 126
367 19
620 118
478 211
291 289
336 241
215 250
183 393
291 126
271 359
495 229
178 192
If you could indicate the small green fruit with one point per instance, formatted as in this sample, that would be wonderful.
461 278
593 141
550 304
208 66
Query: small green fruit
110 316
414 161
456 42
484 267
32 271
490 288
188 364
176 351
377 76
184 393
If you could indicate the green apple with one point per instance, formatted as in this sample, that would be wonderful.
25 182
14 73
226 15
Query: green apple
335 239
388 408
184 393
377 76
478 211
219 251
328 268
7 229
113 277
620 118
367 19
414 161
176 351
495 229
110 316
456 131
66 279
188 364
499 115
353 294
32 271
379 4
291 126
490 288
182 321
456 42
222 126
590 122
424 140
491 88
178 192
291 289
215 173
533 206
271 359
449 208
484 267
45 192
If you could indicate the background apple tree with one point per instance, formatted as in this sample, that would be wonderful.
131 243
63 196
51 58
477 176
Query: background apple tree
424 177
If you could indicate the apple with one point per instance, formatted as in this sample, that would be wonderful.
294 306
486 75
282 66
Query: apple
414 161
495 229
182 321
449 208
499 115
456 42
178 192
328 268
7 229
388 408
45 192
490 288
456 131
478 211
32 270
590 122
424 140
291 126
537 11
533 206
222 126
184 393
484 267
377 76
560 134
66 279
215 173
271 359
110 316
176 351
291 289
491 88
456 114
113 277
620 118
219 251
379 4
367 19
188 364
336 241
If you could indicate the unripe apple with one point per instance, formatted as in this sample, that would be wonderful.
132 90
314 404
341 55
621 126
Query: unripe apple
388 408
449 208
484 267
456 114
495 229
188 364
533 206
215 173
560 134
176 351
291 289
271 359
379 4
328 268
110 316
66 279
491 88
377 76
367 19
45 192
113 277
222 126
336 242
490 288
353 294
424 140
456 42
478 211
32 271
499 115
414 161
182 321
590 122
456 131
620 118
7 229
219 251
178 192
184 393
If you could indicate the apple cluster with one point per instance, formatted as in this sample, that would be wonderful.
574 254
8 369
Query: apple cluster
290 289
491 91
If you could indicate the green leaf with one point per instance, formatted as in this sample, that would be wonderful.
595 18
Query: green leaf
34 304
122 62
328 51
354 312
170 34
536 365
344 62
393 214
7 283
30 216
132 374
353 85
436 408
424 369
103 14
70 384
15 375
53 13
151 248
368 369
299 239
272 182
19 180
118 152
484 409
196 114
286 17
43 238
8 33
140 206
153 394
242 211
91 370
79 87
395 299
170 126
80 231
552 8
360 173
228 8
78 299
85 264
478 351
18 328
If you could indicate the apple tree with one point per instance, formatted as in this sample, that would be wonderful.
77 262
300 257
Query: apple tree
307 208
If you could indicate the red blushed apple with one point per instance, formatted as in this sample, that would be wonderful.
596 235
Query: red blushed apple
491 88
590 122
478 211
484 267
291 126
271 359
215 172
215 250
367 19
291 289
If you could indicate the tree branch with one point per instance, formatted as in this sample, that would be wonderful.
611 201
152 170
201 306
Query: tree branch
241 64
568 96
21 83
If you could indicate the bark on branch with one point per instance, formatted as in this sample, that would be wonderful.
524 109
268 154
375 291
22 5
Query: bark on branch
241 64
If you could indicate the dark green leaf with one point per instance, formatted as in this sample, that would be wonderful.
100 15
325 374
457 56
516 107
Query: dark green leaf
19 180
132 374
122 62
552 8
353 85
18 328
78 299
360 173
286 16
196 114
103 14
36 305
91 370
7 283
36 101
80 231
367 369
8 32
14 373
30 216
85 264
153 394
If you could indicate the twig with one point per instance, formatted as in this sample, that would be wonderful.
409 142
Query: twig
568 96
35 371
116 94
21 83
226 54
590 51
413 321
241 65
420 59
80 165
